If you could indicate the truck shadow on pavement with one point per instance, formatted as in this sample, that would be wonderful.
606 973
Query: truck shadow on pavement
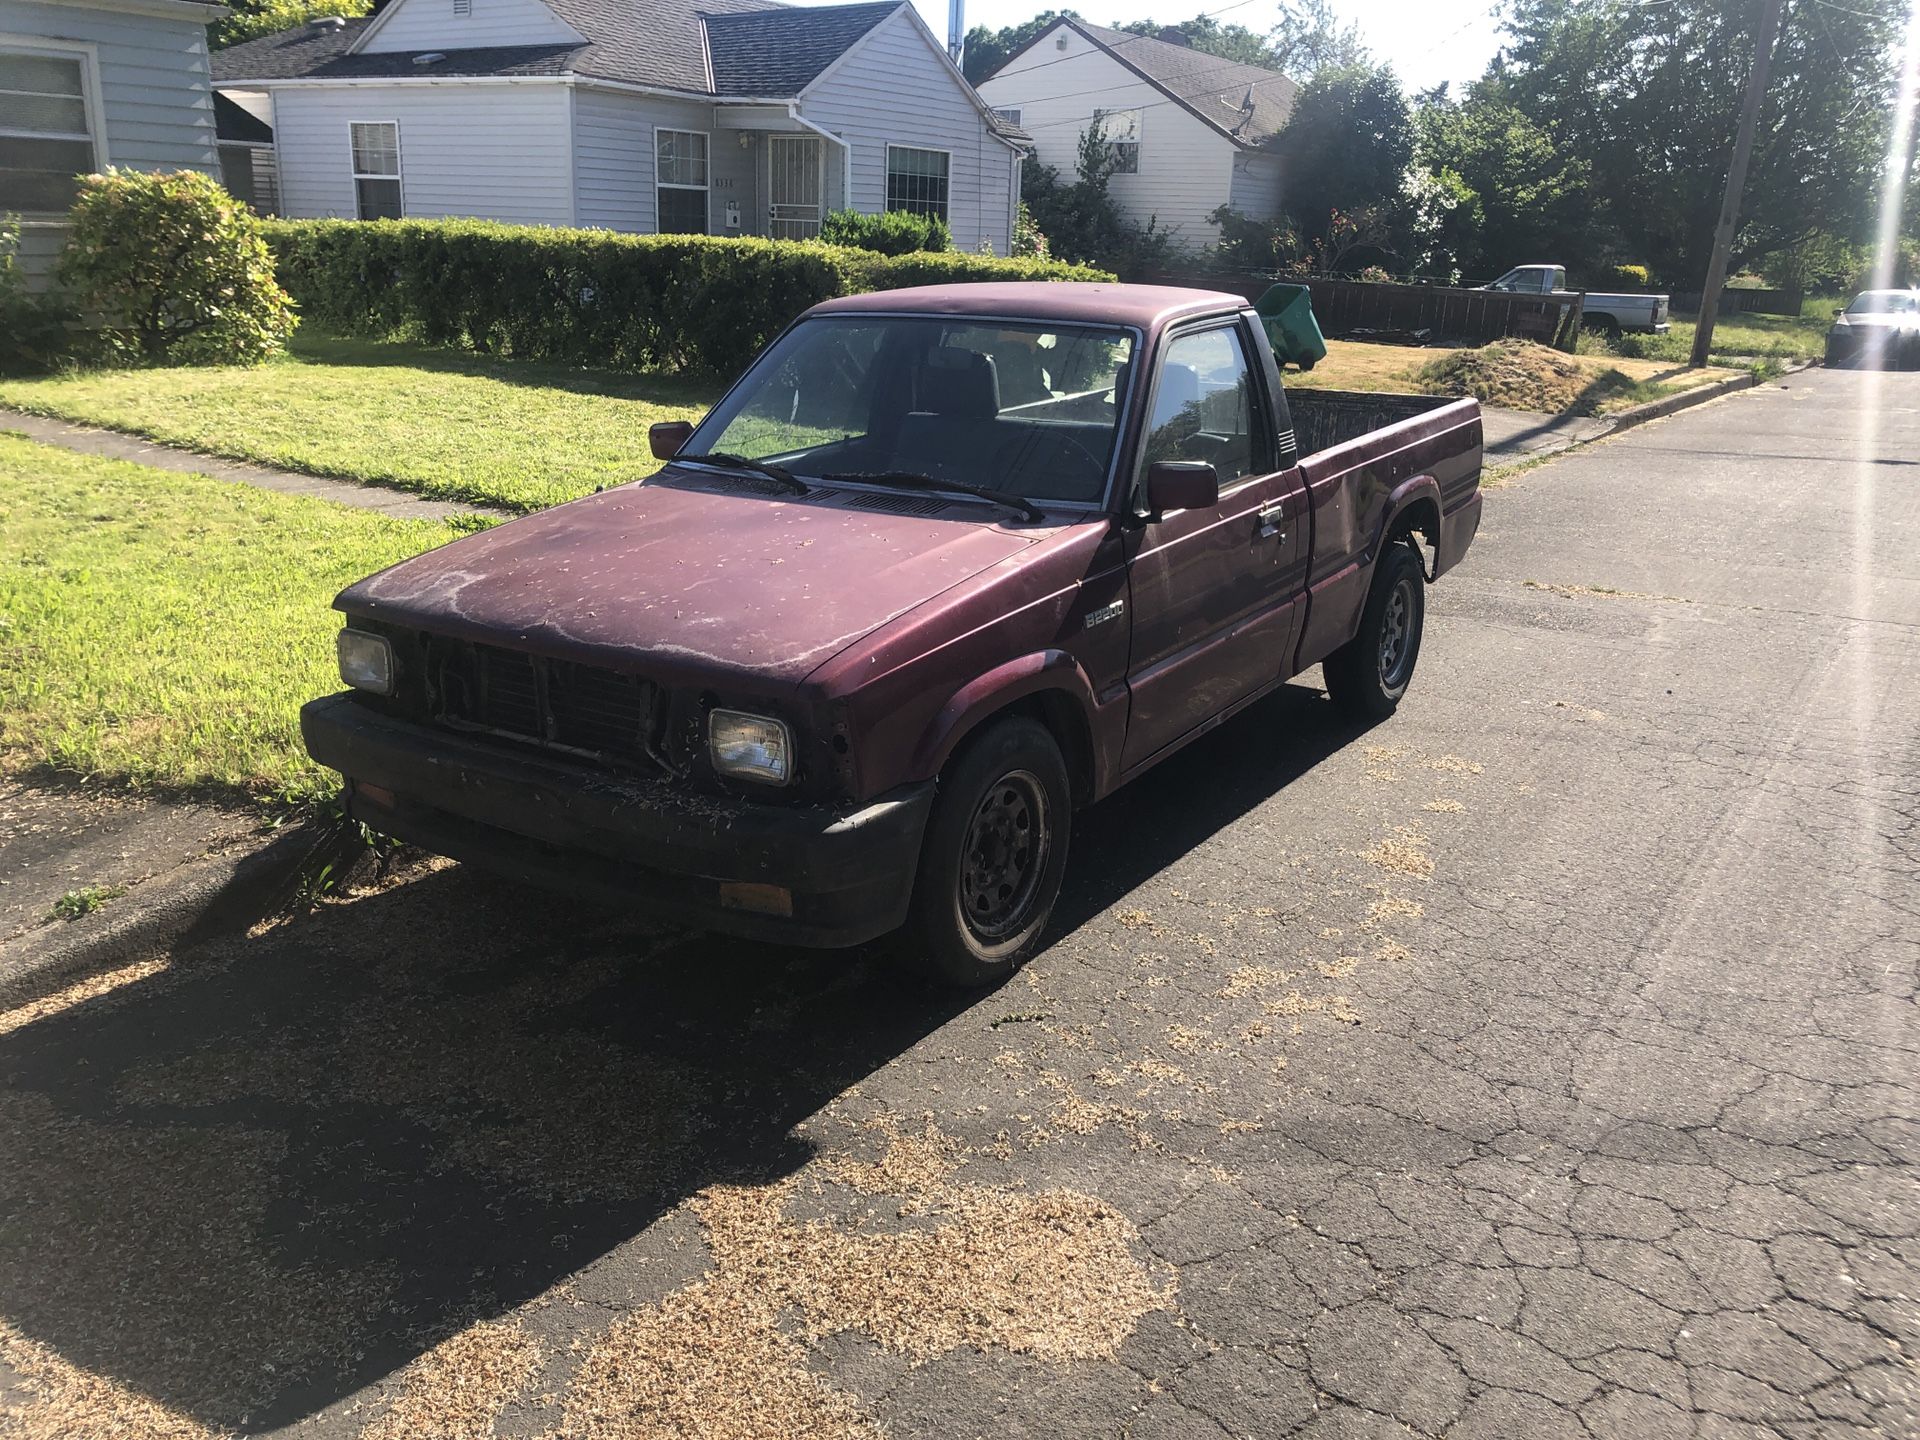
256 1181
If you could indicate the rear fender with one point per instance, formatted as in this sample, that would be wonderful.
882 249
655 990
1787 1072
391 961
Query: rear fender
1045 672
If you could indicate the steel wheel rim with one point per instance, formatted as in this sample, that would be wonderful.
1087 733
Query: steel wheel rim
1005 855
1396 635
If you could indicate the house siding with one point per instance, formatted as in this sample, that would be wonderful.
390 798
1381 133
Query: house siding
156 100
894 88
1186 166
490 152
432 25
1256 188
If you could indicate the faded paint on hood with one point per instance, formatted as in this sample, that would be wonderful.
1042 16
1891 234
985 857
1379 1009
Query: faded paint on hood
694 582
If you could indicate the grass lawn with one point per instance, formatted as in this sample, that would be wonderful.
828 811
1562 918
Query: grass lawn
517 434
1365 365
162 630
1742 339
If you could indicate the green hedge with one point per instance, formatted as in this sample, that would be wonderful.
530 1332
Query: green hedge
674 302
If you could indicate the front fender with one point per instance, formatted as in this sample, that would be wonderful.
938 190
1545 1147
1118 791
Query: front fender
1004 685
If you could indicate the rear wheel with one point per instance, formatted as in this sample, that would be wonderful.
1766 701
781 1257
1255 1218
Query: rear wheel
1368 675
993 858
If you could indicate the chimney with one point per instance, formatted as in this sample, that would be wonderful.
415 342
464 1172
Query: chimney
1175 37
956 28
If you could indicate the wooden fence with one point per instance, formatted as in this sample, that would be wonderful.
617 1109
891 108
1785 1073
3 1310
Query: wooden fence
1740 301
1345 306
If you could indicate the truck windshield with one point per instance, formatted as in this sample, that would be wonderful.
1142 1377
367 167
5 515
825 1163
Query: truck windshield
1026 409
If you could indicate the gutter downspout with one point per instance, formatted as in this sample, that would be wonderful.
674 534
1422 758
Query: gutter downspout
846 155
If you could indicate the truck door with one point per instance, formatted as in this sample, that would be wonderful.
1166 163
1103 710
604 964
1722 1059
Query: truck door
1215 594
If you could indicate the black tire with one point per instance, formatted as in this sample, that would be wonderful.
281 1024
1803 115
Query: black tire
1368 675
993 856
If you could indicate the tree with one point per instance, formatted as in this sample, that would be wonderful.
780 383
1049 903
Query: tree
1645 97
987 50
250 19
1309 38
1079 218
1524 199
1346 147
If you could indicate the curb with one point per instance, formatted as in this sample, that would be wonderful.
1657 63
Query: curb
207 899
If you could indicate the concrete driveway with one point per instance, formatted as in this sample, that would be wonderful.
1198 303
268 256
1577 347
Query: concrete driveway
1543 1062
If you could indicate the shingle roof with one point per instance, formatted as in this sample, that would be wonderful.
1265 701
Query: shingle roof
781 52
760 47
1247 102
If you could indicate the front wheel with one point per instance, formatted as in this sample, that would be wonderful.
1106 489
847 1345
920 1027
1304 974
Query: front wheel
1368 675
993 858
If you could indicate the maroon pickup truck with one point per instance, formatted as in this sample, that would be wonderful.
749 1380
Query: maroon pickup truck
945 566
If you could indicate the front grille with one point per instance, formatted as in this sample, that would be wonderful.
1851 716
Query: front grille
548 702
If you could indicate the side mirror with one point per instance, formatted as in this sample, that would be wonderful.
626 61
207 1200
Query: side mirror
1182 485
669 438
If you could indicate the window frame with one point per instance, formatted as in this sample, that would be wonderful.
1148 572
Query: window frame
91 99
399 176
886 176
1139 112
1009 113
706 190
1265 451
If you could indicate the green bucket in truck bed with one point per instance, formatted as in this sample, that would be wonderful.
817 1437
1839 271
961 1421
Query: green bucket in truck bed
1287 312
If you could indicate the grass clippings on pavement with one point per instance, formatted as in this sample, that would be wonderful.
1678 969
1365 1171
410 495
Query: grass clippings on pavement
54 1399
1054 1274
1403 851
163 630
78 993
513 433
457 1390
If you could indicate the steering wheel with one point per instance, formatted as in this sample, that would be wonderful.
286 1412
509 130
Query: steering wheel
1054 452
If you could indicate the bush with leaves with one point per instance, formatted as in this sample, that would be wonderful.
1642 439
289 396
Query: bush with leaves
35 329
1259 245
891 232
1029 241
176 270
669 302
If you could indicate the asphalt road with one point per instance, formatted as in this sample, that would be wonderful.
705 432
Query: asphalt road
1540 1063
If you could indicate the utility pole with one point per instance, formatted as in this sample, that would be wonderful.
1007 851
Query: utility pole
1763 38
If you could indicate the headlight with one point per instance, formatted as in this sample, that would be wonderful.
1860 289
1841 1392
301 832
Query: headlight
752 746
366 661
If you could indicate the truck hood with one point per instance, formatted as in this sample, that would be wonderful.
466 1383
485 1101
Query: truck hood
688 583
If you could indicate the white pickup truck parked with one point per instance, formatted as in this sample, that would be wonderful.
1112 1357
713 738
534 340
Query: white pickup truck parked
1609 313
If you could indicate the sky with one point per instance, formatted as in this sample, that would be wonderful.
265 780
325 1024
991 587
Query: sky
1426 41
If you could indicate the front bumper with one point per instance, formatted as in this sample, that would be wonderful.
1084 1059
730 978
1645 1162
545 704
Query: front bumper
715 861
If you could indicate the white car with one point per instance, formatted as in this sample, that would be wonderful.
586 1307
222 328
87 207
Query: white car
1879 330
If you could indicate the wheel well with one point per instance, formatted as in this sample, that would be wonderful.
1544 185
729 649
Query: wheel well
1056 710
1422 517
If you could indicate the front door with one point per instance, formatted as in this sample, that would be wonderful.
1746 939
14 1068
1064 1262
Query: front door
795 182
1216 593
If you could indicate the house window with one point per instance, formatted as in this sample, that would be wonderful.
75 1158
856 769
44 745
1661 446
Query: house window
917 181
46 135
463 7
376 170
1008 113
680 181
1121 129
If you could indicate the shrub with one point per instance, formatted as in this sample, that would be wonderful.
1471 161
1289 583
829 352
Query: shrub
1629 277
892 232
1028 242
175 268
671 302
34 329
1250 244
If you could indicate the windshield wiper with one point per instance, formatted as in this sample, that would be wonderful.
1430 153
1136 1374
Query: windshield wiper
914 480
726 460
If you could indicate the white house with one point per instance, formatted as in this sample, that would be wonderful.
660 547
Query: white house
85 84
732 117
1188 128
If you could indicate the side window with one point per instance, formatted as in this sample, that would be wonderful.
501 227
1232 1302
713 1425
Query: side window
1203 406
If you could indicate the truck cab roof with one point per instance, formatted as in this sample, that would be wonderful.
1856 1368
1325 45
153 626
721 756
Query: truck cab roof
1077 302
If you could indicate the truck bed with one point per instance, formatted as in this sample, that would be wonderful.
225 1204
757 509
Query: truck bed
1323 419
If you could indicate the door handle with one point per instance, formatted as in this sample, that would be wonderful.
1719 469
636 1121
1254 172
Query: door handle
1267 521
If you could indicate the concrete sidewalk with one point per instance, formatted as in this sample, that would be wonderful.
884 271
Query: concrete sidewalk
1514 435
116 445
